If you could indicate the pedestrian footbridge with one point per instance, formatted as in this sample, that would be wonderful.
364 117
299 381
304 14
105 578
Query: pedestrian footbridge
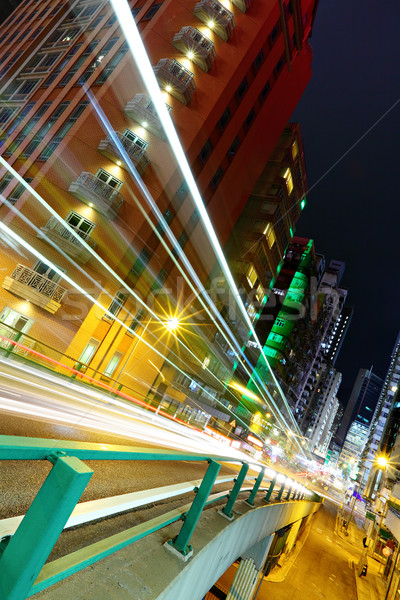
175 555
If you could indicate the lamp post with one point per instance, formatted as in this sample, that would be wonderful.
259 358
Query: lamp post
381 462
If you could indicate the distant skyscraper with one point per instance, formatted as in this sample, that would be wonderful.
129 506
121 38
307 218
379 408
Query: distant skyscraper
362 402
332 327
376 440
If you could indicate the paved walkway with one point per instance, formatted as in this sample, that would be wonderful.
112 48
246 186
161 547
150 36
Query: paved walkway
324 565
369 587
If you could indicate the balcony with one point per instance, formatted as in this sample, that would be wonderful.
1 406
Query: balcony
175 79
63 237
216 17
9 333
137 153
141 109
196 46
96 193
38 289
242 5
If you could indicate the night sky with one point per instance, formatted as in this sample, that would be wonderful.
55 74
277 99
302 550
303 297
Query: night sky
353 213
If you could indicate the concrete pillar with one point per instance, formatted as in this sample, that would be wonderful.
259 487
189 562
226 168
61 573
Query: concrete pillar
245 581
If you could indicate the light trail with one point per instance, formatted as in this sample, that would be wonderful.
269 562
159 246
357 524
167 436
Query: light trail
200 288
178 151
132 36
64 276
63 403
123 324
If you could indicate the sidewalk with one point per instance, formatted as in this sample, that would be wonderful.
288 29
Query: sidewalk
369 587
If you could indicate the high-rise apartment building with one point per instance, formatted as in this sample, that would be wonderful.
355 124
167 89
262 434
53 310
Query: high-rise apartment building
320 413
110 222
382 435
358 417
330 333
363 401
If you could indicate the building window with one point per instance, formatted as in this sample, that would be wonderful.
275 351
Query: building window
18 191
233 148
138 141
109 179
279 65
159 281
15 320
168 218
113 364
295 150
151 12
242 89
47 271
111 21
287 175
258 61
251 276
182 192
270 234
5 181
136 321
273 36
216 179
183 238
10 63
100 57
88 353
93 24
84 13
117 303
79 62
251 311
44 129
42 63
109 68
62 37
260 293
36 33
62 132
80 224
140 263
249 119
18 90
224 120
205 151
35 118
265 91
6 114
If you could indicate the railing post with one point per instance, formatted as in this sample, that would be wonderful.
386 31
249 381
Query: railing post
180 543
30 546
270 490
288 494
257 484
227 510
279 496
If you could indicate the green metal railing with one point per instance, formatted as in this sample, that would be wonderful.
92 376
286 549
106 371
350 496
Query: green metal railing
23 567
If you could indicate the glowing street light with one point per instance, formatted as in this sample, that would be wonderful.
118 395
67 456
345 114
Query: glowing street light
172 324
382 462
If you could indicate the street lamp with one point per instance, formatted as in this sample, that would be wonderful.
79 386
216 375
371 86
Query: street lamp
172 324
382 462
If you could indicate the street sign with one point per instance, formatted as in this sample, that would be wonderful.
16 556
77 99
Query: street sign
371 516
